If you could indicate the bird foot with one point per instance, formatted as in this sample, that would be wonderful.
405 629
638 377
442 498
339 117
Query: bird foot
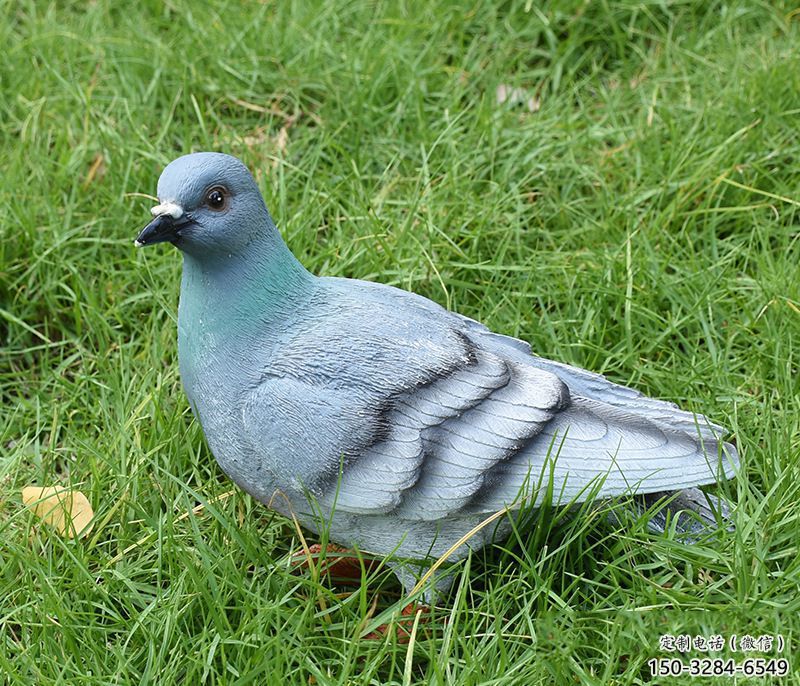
404 628
339 563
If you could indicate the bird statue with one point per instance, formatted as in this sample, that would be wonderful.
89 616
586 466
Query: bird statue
402 425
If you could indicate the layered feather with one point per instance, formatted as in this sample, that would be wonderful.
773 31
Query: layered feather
448 419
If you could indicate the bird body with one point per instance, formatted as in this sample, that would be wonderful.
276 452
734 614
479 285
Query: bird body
404 424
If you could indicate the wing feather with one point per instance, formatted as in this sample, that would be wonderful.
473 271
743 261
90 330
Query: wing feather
453 420
586 384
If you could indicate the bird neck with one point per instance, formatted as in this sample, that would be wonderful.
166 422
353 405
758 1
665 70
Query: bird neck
234 295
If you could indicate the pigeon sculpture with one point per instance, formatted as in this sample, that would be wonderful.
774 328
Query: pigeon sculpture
398 423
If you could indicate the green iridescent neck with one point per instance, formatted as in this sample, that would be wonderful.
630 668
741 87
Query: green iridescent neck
234 294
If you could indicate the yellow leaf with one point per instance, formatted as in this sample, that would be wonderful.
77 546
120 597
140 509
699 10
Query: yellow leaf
68 512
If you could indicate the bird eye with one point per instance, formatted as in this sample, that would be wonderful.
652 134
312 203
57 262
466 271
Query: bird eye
217 198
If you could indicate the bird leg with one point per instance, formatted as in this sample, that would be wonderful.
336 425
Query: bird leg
405 624
341 566
336 563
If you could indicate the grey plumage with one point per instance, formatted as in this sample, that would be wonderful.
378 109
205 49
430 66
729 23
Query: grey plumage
404 423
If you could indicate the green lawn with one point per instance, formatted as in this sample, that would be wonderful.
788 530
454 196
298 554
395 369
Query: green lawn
642 222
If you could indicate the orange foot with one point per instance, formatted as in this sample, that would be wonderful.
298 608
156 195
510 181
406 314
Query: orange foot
341 566
337 563
404 627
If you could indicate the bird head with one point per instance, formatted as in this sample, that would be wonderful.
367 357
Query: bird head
208 203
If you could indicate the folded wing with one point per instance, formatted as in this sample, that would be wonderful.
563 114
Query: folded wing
487 424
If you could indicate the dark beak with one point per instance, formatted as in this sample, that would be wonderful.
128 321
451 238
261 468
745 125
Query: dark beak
162 229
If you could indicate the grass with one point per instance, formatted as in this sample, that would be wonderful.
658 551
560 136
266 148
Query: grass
642 223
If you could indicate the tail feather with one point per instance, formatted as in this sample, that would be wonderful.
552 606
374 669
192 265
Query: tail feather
692 512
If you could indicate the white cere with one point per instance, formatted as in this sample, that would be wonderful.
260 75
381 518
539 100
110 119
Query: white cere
172 209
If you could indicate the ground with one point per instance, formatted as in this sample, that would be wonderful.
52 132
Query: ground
636 212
